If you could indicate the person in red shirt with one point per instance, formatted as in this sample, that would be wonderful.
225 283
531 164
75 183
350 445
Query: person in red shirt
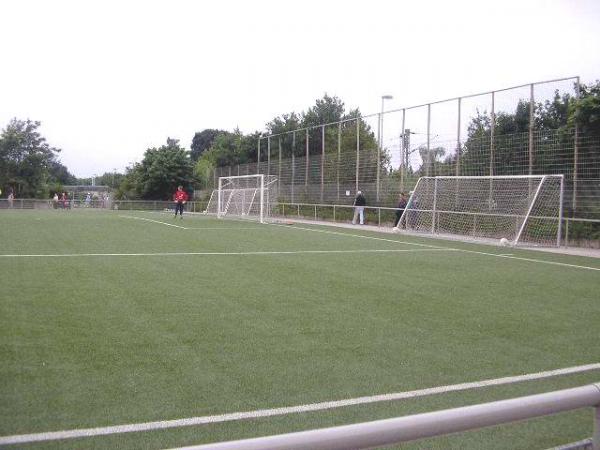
180 197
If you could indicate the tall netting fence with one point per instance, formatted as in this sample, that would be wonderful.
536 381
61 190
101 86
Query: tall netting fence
517 131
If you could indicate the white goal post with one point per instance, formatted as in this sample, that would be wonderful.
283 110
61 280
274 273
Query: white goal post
510 210
244 196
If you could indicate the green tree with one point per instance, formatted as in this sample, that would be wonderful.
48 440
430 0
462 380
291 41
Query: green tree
25 159
202 141
159 173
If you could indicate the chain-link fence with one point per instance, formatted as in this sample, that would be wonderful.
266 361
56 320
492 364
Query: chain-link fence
521 130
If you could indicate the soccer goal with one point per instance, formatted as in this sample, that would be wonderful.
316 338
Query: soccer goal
509 210
245 196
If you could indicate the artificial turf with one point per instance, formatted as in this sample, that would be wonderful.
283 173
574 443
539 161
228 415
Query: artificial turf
145 322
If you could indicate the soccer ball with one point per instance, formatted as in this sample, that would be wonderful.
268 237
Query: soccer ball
504 242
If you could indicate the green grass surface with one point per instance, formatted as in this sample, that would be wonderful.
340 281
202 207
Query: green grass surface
91 341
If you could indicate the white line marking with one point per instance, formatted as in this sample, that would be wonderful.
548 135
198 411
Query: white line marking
520 258
202 420
447 248
291 252
154 221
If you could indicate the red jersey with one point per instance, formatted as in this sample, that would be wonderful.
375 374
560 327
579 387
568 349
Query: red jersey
180 196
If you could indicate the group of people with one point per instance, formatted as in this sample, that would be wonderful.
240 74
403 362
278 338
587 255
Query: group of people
360 203
61 201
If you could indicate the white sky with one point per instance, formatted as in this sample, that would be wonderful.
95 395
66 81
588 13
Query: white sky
109 79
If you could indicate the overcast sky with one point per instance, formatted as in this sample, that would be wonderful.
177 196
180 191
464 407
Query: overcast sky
109 79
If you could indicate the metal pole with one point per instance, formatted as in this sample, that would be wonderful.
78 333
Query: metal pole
322 160
379 143
258 154
435 183
279 171
268 156
560 210
307 157
576 152
429 163
357 149
339 149
492 132
403 151
531 118
458 146
293 162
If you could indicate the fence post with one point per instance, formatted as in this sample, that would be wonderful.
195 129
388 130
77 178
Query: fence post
575 153
458 146
307 159
339 149
531 118
403 151
322 160
429 161
379 145
269 155
334 213
279 171
357 149
293 162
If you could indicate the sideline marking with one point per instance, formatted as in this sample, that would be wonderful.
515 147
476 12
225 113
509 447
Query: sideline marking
498 255
154 221
202 420
291 252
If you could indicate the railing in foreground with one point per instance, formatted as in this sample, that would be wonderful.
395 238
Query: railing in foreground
403 429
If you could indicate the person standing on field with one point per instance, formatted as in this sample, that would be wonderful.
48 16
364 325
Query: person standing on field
359 208
180 197
400 209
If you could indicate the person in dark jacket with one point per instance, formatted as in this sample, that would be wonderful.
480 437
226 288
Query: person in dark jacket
400 209
359 208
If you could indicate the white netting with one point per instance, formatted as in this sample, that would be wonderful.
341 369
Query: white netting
522 210
249 196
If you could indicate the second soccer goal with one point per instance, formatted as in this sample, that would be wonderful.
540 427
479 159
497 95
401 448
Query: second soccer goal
507 210
245 196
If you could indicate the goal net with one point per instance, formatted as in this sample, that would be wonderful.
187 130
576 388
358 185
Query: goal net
509 210
245 196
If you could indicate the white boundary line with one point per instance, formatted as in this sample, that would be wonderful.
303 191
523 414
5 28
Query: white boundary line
291 252
153 221
542 261
202 420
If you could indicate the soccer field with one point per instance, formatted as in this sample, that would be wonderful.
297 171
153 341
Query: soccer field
112 318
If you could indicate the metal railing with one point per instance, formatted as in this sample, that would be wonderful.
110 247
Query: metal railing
379 215
420 426
384 216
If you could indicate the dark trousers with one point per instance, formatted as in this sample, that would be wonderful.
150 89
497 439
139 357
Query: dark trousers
179 208
398 215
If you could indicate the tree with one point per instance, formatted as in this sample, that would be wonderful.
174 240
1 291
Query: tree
202 141
160 172
26 159
585 111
